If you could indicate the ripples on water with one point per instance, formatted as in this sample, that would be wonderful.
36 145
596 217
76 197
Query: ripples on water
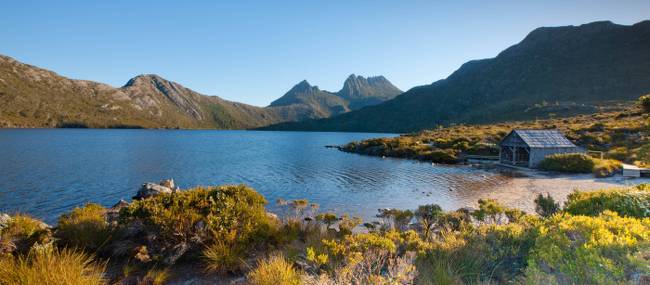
45 172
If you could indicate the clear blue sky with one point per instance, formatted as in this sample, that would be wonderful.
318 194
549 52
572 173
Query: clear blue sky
254 51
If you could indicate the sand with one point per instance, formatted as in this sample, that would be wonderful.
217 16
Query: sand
520 192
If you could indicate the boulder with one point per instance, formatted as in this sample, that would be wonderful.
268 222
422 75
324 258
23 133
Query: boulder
169 183
152 189
120 204
4 220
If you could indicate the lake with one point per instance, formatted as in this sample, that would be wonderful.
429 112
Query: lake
45 172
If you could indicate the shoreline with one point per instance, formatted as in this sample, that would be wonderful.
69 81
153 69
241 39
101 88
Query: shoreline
519 191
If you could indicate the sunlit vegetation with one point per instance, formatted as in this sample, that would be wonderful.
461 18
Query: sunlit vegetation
598 237
47 265
84 227
619 135
274 270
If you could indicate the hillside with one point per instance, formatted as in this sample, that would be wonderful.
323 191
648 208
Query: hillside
621 135
559 71
35 97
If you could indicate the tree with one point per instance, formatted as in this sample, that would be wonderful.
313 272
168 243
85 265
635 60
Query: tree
327 218
396 218
546 206
427 216
489 208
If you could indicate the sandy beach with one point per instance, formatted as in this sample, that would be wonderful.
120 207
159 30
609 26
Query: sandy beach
520 191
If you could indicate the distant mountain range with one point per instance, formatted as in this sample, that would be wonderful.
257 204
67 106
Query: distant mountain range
557 71
553 71
34 97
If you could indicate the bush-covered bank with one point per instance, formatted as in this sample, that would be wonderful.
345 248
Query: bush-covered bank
598 237
580 163
620 135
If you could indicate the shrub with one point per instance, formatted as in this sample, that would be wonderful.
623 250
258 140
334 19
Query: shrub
606 167
274 270
631 202
396 218
588 250
84 227
155 277
568 162
21 233
51 266
223 257
191 219
644 101
327 218
488 253
427 216
546 206
643 154
489 211
440 156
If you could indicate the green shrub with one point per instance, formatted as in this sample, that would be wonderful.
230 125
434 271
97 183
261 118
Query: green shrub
396 218
21 233
490 211
327 218
427 216
223 257
487 253
51 266
606 167
84 227
588 250
630 202
546 206
440 156
643 154
194 218
274 270
568 162
644 101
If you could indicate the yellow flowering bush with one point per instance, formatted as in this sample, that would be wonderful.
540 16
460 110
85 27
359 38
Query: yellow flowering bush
589 250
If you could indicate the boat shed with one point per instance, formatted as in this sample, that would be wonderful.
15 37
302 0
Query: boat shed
528 148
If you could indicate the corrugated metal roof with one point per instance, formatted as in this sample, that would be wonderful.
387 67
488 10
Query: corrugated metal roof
544 138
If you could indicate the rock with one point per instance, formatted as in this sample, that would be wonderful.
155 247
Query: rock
120 204
272 216
237 281
176 253
152 189
169 183
4 220
113 213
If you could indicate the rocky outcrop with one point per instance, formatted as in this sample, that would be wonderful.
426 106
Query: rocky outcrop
4 220
150 189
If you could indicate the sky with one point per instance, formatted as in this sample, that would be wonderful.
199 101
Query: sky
254 51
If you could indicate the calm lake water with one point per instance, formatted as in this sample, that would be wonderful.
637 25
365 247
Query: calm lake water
45 172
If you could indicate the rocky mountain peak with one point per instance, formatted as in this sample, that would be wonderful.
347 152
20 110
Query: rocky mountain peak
359 87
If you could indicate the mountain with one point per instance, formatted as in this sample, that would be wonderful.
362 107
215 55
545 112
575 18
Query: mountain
35 97
361 91
357 92
552 71
322 103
